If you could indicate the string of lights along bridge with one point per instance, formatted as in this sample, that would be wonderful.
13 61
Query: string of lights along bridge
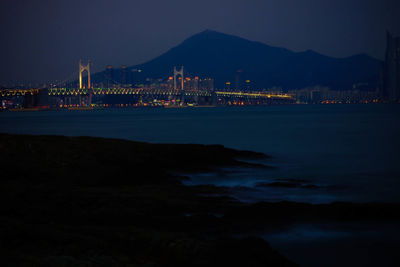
90 96
135 91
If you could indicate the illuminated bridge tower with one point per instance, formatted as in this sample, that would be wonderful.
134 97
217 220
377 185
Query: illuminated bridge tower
82 68
176 73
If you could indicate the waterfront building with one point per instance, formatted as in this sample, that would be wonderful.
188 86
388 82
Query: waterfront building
238 80
207 84
391 69
108 76
124 76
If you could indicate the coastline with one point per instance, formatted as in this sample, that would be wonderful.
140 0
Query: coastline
86 200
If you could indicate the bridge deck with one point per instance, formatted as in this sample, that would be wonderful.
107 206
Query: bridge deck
138 91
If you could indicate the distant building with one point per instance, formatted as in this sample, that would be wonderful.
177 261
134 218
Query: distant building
247 85
391 70
195 83
323 95
108 76
238 80
227 86
206 84
124 75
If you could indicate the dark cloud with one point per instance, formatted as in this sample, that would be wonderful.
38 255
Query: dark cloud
44 39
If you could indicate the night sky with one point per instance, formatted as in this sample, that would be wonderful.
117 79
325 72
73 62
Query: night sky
44 39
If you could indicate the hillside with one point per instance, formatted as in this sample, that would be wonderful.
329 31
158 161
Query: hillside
220 56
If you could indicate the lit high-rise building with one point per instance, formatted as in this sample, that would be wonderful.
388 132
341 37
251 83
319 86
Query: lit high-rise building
391 70
206 84
124 75
108 76
238 80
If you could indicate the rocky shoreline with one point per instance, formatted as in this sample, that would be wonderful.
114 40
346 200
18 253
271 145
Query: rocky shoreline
84 201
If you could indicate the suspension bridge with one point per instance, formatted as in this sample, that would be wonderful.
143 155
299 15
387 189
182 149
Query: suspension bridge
88 95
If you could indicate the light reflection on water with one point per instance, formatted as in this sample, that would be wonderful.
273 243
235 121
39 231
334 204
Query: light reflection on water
251 185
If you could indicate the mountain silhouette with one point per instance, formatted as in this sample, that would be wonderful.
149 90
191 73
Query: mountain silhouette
224 57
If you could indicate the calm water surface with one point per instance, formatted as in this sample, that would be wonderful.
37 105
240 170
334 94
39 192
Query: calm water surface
350 152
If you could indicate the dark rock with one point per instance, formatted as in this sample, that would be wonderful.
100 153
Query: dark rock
104 202
82 201
310 186
279 184
293 180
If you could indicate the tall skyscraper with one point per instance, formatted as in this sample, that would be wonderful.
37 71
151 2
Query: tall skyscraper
124 75
238 80
108 76
391 69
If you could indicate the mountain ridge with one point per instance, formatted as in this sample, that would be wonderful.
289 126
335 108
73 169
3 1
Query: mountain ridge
219 56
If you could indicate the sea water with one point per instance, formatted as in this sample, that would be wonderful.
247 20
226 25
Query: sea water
333 152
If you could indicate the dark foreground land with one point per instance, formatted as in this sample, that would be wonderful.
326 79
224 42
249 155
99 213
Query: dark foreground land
83 201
